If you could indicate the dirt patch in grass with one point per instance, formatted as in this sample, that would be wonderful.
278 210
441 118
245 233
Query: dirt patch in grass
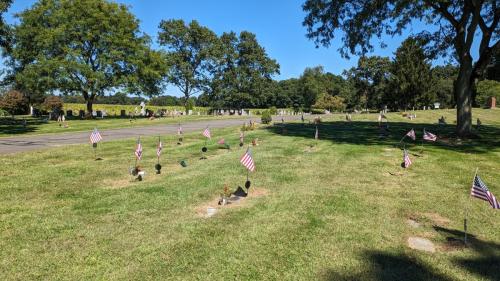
436 218
234 202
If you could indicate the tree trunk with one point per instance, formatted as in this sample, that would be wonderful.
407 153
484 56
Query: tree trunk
462 92
89 107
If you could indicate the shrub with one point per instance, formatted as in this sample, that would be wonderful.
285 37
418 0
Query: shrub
14 102
273 110
317 111
53 104
487 89
266 117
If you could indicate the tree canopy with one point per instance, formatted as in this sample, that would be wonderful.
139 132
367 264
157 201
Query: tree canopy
190 54
83 46
455 27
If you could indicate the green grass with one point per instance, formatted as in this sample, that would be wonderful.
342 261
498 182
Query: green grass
333 210
13 127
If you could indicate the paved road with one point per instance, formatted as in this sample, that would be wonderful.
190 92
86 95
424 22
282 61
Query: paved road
34 142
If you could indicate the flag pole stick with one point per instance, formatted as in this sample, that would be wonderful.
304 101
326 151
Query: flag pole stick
467 210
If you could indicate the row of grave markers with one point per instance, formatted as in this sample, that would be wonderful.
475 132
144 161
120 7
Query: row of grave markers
246 159
478 189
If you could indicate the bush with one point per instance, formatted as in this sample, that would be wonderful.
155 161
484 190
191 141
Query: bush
14 102
273 110
487 89
53 104
3 113
266 117
317 111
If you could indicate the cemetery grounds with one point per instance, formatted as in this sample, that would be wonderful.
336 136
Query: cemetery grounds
337 208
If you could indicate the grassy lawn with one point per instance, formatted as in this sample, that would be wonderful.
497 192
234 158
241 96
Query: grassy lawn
332 209
14 127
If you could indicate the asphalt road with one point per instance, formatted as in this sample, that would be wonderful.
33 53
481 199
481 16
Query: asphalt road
17 144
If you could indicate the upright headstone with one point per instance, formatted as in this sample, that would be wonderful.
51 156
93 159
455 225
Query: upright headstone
190 112
69 113
143 108
493 102
123 113
98 114
81 113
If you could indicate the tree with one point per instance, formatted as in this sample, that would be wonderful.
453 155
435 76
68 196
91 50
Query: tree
53 104
455 23
329 102
487 89
88 47
411 77
243 72
14 102
4 29
443 79
190 55
370 79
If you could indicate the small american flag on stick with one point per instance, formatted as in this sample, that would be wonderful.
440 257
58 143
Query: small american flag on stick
206 133
159 148
138 149
247 160
221 141
406 159
429 136
411 134
95 136
479 190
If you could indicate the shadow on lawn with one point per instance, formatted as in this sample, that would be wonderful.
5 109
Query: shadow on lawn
368 133
388 267
486 264
15 126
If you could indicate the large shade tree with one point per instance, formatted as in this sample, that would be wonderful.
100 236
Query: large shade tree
190 54
89 47
456 24
4 6
411 78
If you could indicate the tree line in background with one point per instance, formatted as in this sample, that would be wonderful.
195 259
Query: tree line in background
93 51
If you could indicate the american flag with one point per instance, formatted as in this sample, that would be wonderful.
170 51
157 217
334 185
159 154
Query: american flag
429 136
206 133
221 141
316 135
95 136
406 159
247 160
179 130
159 148
411 134
479 190
241 137
138 149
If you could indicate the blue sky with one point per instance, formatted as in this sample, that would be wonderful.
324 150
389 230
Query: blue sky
277 24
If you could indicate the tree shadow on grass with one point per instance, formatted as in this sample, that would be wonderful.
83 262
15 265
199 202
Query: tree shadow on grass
369 133
12 126
486 264
388 267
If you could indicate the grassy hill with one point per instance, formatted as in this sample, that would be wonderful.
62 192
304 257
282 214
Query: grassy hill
337 208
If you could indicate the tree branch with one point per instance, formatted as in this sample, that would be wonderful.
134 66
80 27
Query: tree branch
444 12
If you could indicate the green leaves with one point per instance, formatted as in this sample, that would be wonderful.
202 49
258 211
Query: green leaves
84 46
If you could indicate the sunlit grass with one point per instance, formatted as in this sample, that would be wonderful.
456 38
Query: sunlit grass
336 208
